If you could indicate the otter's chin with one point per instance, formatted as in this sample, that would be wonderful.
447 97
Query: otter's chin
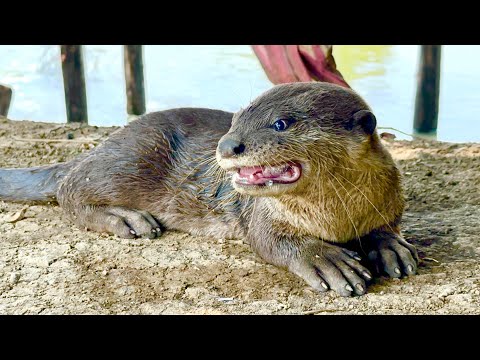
267 180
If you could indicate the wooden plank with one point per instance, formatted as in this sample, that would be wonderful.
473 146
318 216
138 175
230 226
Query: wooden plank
133 62
428 90
74 83
5 99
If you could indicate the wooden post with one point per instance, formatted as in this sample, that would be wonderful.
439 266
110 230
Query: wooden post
74 83
5 98
428 90
133 62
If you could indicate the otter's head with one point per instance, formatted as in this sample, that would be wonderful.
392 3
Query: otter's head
291 135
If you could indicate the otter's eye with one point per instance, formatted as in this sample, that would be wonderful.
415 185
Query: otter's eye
281 125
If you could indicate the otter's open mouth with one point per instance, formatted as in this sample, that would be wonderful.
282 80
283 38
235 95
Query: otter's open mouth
268 175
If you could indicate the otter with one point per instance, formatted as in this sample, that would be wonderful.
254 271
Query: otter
300 174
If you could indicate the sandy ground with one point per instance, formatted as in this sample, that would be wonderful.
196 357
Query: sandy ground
48 266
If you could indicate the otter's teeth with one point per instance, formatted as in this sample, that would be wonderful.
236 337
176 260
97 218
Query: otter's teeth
269 183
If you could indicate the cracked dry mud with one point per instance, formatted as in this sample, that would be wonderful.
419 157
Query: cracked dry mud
48 266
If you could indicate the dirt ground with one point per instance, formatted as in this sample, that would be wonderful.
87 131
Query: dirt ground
48 266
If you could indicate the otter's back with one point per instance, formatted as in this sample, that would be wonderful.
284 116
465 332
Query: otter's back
192 121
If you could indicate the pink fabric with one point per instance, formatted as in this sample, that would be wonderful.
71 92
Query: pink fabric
299 63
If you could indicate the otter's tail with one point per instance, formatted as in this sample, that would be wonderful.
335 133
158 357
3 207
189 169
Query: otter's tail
31 184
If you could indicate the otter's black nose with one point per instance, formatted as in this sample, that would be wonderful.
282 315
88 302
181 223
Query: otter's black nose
230 147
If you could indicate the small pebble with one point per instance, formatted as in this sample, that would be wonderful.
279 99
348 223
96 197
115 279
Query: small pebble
225 299
14 277
19 215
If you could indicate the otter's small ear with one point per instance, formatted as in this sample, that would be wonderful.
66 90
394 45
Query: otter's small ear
366 120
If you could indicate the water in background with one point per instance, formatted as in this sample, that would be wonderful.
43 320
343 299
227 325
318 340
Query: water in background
228 77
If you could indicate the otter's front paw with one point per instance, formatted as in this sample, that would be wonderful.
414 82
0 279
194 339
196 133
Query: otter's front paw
391 255
129 223
327 266
125 223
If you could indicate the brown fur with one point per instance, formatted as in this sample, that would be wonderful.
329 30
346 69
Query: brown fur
351 184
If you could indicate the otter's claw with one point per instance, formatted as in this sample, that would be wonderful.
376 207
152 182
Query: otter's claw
332 267
139 223
120 221
392 255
